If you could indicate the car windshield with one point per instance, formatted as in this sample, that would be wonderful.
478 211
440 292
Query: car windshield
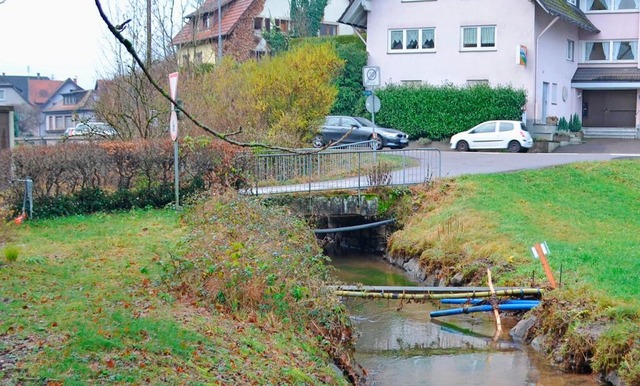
365 122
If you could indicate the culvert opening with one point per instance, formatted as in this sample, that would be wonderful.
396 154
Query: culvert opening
339 234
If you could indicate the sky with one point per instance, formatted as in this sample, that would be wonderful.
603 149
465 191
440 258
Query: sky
59 39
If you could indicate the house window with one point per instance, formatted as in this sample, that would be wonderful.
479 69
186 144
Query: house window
481 37
570 49
412 40
554 93
571 2
257 23
610 51
68 121
59 122
609 5
2 97
69 100
206 21
328 29
198 58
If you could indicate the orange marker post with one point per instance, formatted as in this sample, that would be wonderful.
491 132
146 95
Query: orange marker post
545 265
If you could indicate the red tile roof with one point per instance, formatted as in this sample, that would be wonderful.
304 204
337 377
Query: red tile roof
40 90
232 11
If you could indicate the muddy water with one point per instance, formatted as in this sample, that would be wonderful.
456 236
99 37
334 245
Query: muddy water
399 345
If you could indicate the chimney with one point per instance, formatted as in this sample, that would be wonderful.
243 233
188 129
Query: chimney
75 79
38 75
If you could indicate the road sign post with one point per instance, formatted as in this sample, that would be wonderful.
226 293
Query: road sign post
371 80
173 130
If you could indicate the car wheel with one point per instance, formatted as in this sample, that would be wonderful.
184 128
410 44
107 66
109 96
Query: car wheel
462 146
514 147
377 143
318 141
524 150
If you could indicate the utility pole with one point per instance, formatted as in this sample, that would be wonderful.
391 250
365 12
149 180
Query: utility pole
219 31
148 33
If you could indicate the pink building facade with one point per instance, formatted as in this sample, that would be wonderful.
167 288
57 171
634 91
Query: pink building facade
571 56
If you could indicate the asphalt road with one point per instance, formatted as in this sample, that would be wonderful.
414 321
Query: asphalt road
456 163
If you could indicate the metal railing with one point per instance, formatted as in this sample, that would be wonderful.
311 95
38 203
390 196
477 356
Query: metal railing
333 169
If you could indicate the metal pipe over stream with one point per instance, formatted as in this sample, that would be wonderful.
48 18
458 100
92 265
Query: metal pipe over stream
432 293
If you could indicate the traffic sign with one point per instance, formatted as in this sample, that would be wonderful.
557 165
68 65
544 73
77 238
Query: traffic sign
371 76
373 104
173 125
173 118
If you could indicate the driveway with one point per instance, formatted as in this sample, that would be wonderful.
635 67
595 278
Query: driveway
457 163
603 145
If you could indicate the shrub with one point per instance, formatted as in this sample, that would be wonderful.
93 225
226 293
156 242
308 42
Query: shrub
76 178
563 125
11 253
574 124
439 112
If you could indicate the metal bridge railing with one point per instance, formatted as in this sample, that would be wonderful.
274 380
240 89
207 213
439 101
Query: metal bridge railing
333 169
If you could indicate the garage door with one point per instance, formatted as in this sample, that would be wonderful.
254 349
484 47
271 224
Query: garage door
611 108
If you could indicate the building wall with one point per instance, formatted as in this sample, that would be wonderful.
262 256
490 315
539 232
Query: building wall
449 64
12 97
280 9
554 68
613 26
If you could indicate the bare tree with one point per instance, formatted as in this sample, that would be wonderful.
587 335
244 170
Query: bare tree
128 101
116 31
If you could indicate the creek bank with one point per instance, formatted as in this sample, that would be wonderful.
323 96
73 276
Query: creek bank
527 329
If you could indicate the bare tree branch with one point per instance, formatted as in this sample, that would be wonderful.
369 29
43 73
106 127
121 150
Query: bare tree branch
116 32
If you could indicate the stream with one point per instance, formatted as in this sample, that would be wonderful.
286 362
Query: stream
399 344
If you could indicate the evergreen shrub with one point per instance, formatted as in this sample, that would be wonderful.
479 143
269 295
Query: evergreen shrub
438 112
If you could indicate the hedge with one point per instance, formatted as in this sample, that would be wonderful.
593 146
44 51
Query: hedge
77 178
438 112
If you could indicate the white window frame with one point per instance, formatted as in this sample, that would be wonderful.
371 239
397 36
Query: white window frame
572 2
420 39
612 7
478 46
554 93
610 53
571 49
2 95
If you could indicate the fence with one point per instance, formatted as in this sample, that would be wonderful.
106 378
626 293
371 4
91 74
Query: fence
332 169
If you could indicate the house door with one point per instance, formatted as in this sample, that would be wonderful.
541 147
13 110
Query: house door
545 100
609 108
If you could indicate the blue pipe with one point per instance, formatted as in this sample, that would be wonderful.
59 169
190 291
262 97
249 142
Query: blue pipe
476 301
484 308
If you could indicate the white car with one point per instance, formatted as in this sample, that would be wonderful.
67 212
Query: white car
509 135
91 129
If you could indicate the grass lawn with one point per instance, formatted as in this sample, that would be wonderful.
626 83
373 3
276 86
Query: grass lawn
83 303
588 215
586 212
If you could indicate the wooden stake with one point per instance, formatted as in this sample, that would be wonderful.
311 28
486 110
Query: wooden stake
494 304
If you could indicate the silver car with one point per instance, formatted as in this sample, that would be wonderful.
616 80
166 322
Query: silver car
509 135
348 130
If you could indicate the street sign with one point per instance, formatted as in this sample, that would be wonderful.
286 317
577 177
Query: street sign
173 125
373 104
173 118
371 76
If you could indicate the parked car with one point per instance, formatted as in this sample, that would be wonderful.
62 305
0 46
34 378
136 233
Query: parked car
509 135
91 129
358 129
